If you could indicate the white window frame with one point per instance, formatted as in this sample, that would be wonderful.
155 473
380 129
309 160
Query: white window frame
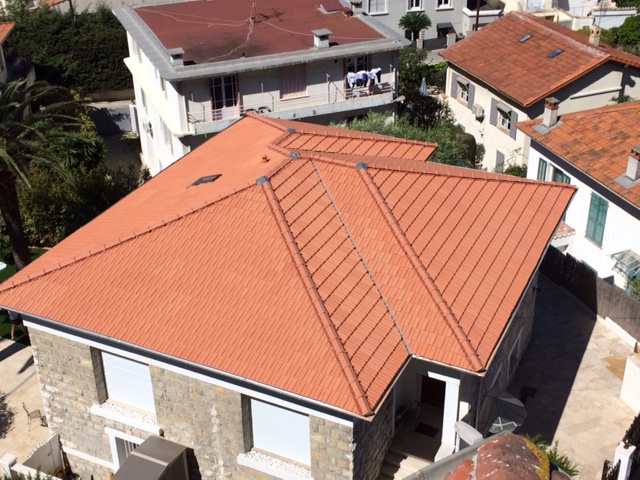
168 137
121 391
414 5
463 92
114 436
378 7
503 119
281 432
444 4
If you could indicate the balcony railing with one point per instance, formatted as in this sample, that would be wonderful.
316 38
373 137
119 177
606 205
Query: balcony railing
333 95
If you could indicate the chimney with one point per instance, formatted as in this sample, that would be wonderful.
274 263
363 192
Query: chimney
633 164
594 36
321 37
176 56
550 116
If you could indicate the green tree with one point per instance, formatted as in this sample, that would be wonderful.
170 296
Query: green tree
37 123
83 52
414 22
516 170
52 210
629 34
412 68
608 36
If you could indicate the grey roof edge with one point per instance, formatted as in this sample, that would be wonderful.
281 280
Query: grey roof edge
159 56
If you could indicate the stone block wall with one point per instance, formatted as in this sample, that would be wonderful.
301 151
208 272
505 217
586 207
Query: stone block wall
213 422
331 450
371 442
67 375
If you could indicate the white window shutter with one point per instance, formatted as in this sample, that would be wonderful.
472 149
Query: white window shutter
128 382
281 431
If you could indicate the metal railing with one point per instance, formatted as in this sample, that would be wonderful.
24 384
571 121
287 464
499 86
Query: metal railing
333 95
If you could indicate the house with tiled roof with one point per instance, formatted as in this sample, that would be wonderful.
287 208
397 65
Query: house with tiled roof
598 151
287 301
5 29
198 66
502 74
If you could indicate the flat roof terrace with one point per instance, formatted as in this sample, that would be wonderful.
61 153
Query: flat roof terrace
219 30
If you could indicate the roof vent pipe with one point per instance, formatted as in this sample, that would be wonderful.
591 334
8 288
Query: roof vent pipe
633 163
550 116
594 35
321 37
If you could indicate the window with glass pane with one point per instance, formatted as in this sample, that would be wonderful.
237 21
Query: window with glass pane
542 169
414 4
597 218
356 64
504 119
377 6
225 92
560 177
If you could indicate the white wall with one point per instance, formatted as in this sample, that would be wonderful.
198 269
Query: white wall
621 231
593 90
493 138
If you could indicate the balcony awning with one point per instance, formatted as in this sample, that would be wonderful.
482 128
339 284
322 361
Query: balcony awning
444 26
627 263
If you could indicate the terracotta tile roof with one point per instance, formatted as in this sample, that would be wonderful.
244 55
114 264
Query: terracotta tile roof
524 71
5 29
321 278
564 230
279 26
597 141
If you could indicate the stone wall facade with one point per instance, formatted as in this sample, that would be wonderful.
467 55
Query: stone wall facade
372 441
213 422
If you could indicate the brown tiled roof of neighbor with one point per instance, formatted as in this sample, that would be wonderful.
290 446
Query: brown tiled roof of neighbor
597 141
563 230
320 278
215 30
522 70
5 30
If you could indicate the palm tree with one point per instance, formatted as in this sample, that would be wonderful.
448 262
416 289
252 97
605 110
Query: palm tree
36 121
414 22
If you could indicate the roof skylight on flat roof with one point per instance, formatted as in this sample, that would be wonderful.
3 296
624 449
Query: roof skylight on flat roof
207 179
555 53
525 37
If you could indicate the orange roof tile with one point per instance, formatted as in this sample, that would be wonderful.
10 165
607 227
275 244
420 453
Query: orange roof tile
5 29
597 141
318 272
523 70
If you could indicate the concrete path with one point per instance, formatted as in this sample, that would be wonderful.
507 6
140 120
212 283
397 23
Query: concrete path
575 364
18 383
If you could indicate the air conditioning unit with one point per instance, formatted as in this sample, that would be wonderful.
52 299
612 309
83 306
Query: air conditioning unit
478 111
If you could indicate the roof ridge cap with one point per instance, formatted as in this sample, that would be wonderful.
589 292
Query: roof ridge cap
323 315
444 308
9 284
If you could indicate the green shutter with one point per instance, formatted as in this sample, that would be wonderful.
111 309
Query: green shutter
542 169
597 218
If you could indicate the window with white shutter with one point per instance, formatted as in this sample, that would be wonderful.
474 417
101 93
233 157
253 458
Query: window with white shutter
128 382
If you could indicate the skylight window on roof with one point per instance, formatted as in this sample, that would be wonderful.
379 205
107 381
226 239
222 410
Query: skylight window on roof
555 53
525 37
207 179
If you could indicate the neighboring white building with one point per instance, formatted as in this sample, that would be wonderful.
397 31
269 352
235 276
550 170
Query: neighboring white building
599 152
502 74
198 68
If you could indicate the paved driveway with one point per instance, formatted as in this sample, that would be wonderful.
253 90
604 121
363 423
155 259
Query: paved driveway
18 383
575 365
